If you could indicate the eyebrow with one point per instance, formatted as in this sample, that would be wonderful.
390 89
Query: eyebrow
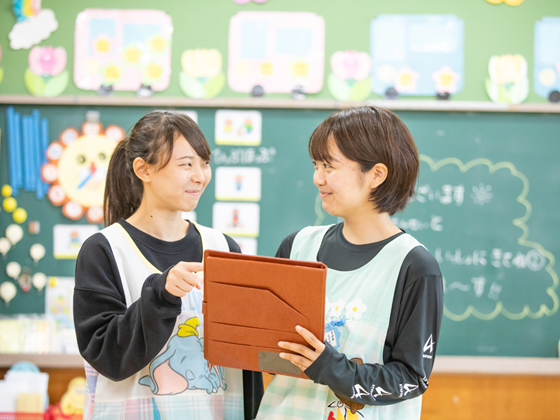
185 157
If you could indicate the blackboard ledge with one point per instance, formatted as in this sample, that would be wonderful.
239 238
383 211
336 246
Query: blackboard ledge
256 103
443 365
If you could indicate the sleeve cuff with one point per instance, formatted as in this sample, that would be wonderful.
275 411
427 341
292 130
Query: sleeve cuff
163 297
315 369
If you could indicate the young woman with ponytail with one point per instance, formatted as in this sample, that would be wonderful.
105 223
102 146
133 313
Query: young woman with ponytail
138 299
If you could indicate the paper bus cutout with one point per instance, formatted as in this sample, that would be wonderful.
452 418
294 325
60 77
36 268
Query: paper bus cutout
238 183
278 51
238 127
547 58
236 219
122 50
417 54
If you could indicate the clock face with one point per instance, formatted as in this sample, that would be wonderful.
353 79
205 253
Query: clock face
83 168
77 169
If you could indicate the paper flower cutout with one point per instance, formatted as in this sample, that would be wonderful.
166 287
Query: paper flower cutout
47 61
336 308
349 80
202 63
508 2
102 45
300 69
202 75
46 75
508 82
33 25
446 80
350 65
547 77
132 54
355 309
406 80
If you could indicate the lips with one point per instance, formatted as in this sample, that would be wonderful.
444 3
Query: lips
324 194
194 192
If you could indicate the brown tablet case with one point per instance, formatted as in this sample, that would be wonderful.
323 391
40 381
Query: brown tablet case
251 303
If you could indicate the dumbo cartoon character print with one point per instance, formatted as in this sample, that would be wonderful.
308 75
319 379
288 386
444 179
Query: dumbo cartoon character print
181 366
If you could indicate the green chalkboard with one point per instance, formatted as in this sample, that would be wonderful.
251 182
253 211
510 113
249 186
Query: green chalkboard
488 30
487 208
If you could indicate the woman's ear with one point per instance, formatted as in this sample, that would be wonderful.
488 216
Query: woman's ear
377 175
141 169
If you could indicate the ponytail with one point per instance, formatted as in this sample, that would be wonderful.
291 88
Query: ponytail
123 190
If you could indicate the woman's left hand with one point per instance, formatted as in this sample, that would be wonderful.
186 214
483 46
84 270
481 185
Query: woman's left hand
306 355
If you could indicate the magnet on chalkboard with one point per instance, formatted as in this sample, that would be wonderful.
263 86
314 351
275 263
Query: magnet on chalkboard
298 93
443 96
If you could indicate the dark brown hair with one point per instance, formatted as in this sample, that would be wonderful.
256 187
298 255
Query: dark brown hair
151 139
369 135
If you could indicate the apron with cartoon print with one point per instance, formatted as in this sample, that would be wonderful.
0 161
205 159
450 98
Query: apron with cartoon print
356 320
179 383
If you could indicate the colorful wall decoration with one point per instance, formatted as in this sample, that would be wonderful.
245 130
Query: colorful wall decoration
278 51
508 82
33 24
202 75
46 75
417 54
122 50
1 69
77 169
547 58
349 80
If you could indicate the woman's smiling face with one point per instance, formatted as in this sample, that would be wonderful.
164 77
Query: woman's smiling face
342 185
180 183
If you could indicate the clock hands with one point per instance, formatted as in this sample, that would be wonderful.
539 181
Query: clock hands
89 176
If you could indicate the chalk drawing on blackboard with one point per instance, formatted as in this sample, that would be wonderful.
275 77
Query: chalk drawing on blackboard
485 274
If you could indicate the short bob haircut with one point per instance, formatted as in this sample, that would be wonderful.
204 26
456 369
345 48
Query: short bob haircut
369 135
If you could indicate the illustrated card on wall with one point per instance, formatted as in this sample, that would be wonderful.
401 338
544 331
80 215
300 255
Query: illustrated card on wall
242 128
68 239
236 219
248 246
547 58
417 54
277 51
122 50
238 183
59 300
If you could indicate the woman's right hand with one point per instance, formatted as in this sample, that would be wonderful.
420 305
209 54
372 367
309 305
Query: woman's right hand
181 279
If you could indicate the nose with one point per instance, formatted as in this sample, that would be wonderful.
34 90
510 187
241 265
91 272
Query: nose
197 174
319 177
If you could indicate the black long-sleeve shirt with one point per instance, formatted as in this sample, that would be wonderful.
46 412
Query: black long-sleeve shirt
118 341
412 334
